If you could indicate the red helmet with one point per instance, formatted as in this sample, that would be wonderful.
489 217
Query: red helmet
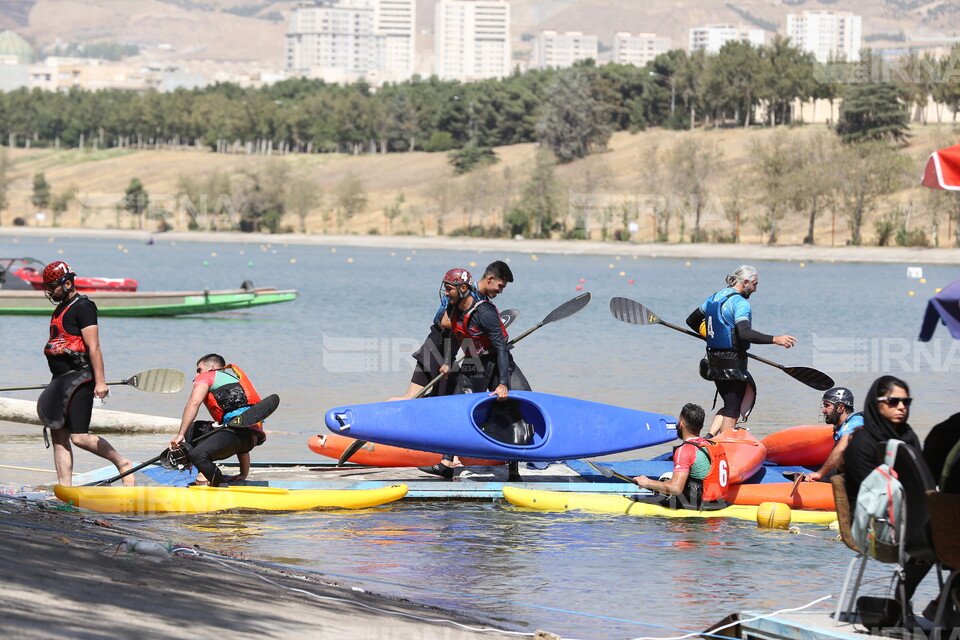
457 277
55 273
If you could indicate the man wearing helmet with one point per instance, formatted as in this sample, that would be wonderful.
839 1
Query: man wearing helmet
476 325
431 355
76 362
837 409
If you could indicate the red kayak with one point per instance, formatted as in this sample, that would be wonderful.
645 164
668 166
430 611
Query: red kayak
809 495
30 271
804 446
382 455
745 454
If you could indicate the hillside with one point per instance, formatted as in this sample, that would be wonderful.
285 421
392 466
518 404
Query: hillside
248 30
426 180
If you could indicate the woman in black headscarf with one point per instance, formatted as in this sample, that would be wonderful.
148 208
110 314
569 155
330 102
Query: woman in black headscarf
885 413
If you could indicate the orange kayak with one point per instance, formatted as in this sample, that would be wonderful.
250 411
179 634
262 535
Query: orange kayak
745 454
809 495
382 455
806 445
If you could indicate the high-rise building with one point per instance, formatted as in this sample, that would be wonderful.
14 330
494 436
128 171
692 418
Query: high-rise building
713 36
828 35
559 50
343 40
472 39
638 49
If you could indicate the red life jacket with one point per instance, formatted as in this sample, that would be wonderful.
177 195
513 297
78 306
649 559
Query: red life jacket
231 396
717 481
475 336
62 343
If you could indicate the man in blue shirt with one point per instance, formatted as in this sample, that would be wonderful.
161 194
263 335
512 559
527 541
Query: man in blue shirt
837 409
724 319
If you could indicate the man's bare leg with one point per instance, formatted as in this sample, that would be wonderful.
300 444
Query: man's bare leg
721 423
62 456
411 393
100 447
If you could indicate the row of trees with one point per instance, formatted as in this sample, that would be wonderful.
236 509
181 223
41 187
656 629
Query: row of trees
564 108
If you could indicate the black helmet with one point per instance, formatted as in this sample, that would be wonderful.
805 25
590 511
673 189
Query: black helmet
839 395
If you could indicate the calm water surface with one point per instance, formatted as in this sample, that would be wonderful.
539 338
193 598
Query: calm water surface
348 339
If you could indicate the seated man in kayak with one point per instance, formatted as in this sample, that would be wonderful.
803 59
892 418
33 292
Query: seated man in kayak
837 409
430 356
227 393
699 466
488 365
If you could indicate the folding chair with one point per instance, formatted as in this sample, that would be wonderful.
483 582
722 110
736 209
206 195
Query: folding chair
944 520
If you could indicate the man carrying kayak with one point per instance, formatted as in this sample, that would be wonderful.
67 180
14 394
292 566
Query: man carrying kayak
76 362
696 476
725 319
227 392
430 356
488 365
837 409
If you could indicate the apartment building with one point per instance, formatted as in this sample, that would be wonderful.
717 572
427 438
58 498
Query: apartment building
472 39
638 49
558 50
828 35
711 37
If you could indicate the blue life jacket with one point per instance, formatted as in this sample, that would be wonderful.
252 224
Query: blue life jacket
720 334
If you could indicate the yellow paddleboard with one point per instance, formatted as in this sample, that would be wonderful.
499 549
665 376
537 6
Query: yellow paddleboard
606 503
148 500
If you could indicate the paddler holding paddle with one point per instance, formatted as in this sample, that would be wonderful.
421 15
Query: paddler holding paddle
724 319
76 362
476 325
228 394
837 410
698 465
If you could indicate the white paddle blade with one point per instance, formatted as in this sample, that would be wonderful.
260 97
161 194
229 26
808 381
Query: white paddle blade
157 380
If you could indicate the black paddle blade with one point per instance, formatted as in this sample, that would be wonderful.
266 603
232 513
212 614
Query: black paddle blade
257 413
353 447
507 316
811 377
568 308
627 310
608 472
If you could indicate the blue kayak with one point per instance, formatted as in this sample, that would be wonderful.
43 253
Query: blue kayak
527 426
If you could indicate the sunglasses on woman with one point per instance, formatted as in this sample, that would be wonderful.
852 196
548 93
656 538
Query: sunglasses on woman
894 401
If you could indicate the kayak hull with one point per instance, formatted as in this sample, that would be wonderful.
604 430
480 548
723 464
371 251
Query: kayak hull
153 500
804 445
809 495
382 455
617 504
745 454
562 428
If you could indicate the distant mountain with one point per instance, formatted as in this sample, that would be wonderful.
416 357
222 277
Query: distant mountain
252 30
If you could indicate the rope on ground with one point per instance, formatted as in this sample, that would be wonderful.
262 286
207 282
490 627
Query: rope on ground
714 634
200 554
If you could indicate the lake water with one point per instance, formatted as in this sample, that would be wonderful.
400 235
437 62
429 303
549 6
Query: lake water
347 339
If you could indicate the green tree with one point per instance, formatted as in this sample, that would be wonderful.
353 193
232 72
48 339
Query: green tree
541 196
471 156
693 164
41 192
574 121
60 201
303 196
391 212
816 182
351 198
869 170
135 200
774 168
260 197
873 112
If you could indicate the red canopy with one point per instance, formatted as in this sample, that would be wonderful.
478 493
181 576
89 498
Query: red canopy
943 169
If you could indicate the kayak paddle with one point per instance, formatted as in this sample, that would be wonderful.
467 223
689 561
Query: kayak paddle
151 380
608 472
627 310
565 310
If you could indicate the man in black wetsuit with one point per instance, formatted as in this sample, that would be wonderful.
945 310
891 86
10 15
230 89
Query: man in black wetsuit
488 366
76 362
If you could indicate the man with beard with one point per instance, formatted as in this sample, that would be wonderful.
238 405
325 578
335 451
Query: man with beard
76 362
724 319
837 409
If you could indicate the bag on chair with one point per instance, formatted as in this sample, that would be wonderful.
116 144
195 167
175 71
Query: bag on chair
879 513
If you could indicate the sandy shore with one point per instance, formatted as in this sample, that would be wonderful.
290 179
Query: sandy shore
65 575
736 253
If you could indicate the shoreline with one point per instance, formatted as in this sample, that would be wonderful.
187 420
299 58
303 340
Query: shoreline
66 575
733 252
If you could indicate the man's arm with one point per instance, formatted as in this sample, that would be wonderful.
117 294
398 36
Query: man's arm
833 461
674 486
91 338
747 334
190 411
488 320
